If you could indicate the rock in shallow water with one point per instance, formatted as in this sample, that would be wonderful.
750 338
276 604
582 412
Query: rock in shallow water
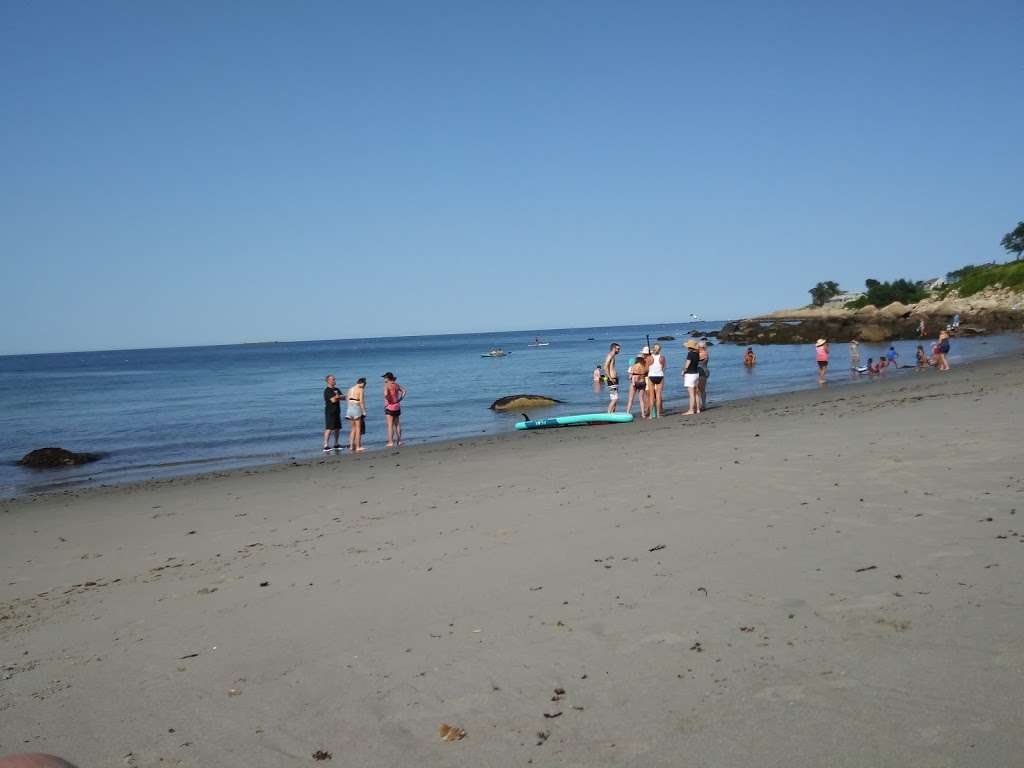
517 402
50 458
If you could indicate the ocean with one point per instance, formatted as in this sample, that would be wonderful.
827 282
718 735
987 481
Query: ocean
156 413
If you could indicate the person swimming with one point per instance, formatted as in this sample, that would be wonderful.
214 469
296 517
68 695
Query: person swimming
749 358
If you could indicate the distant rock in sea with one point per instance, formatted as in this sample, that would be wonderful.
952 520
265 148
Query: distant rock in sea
51 458
516 402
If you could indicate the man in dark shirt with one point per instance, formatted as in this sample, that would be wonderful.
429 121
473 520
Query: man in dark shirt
332 413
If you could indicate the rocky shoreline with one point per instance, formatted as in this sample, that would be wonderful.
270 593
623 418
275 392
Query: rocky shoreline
992 311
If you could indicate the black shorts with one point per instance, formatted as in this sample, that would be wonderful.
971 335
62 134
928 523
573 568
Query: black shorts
823 363
393 413
656 379
332 419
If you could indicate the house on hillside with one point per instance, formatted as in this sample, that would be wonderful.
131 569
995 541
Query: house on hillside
840 300
933 283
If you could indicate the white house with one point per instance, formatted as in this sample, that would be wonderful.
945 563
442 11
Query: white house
841 299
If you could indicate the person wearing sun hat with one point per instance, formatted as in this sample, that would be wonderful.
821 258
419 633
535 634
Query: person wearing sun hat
821 354
691 376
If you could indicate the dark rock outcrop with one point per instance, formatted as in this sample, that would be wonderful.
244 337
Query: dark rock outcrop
517 402
872 327
51 458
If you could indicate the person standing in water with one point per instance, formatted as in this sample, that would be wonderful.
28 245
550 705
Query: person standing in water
749 358
854 353
355 413
704 372
821 355
892 357
394 393
944 350
691 376
656 382
612 377
332 413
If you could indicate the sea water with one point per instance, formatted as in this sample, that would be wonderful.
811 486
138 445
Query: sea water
167 412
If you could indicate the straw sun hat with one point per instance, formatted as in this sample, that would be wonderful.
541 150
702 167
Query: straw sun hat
691 344
820 343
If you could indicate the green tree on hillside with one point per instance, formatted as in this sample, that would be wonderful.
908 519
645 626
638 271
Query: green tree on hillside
882 294
1013 241
822 292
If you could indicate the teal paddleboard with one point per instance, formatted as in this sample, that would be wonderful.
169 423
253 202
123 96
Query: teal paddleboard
578 420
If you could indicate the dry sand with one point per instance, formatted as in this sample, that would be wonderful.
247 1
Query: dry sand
838 584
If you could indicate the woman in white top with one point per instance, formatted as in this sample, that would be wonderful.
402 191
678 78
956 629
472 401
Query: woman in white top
656 379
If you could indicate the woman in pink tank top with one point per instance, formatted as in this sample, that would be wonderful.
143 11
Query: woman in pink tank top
393 395
821 354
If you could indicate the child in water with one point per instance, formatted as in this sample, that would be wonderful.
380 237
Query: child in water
922 359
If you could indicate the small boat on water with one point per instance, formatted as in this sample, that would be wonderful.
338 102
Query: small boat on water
497 352
537 342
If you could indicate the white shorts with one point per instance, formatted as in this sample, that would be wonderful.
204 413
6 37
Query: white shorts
690 379
613 392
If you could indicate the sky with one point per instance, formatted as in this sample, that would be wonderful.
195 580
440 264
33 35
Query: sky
201 173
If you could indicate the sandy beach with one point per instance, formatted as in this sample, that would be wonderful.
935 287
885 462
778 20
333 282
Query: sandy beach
822 578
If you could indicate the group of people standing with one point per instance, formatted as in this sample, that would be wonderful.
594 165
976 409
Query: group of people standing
355 412
646 381
647 378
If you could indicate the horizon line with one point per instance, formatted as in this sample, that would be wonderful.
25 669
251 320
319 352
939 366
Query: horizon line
352 338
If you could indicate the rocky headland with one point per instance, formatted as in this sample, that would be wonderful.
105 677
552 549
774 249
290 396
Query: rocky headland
991 311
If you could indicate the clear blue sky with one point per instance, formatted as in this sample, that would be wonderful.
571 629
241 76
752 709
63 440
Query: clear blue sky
190 173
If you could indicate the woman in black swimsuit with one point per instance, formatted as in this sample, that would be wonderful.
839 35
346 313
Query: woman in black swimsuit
638 385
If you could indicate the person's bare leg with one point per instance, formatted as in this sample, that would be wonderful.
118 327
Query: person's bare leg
629 402
398 430
34 760
352 426
389 430
358 424
691 395
658 388
327 436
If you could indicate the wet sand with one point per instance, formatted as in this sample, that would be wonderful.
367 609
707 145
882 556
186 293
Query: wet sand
821 578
